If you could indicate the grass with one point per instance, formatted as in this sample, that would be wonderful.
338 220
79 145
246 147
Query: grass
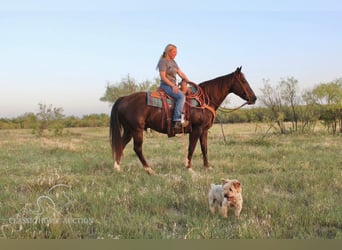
65 187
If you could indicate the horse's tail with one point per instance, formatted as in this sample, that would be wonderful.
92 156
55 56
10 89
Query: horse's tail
115 131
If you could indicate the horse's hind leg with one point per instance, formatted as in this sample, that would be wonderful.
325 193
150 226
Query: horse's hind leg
138 142
126 137
204 148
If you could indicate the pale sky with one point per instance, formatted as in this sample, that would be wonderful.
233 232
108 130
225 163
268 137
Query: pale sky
64 52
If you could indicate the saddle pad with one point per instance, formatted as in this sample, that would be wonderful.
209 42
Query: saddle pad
154 99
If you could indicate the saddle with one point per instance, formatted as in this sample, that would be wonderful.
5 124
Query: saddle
165 102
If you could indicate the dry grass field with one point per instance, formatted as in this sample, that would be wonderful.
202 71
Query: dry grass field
65 187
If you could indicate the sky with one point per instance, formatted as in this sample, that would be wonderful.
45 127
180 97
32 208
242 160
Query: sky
65 52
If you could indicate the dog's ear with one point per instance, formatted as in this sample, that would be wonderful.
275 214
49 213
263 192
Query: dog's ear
224 181
237 185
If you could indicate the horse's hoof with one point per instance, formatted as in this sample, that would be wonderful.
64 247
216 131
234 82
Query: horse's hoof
191 171
150 171
187 163
117 167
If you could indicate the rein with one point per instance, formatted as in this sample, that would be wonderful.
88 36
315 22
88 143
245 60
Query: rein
226 110
202 99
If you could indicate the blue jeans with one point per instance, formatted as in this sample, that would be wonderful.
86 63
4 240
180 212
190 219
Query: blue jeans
179 98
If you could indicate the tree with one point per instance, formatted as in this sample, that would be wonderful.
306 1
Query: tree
28 120
329 97
309 113
288 92
126 86
328 93
271 98
49 118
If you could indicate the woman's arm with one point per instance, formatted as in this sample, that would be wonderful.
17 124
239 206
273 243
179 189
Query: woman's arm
182 75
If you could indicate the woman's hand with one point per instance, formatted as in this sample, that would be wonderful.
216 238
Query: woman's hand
175 89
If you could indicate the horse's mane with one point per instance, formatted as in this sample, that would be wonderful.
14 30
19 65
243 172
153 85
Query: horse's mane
217 80
217 89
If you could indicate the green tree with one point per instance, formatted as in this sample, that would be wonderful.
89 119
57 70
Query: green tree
28 120
95 120
127 86
309 112
329 97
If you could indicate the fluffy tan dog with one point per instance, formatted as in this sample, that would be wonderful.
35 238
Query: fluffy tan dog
228 194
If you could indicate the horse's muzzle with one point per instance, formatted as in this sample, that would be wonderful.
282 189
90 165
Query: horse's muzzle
252 100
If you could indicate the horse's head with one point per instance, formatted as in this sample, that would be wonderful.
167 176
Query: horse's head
242 87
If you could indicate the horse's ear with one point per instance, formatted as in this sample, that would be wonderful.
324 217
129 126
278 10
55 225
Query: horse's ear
238 69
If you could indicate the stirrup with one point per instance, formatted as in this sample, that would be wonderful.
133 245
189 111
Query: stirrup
185 123
181 124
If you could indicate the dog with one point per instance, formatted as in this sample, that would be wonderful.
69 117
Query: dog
228 194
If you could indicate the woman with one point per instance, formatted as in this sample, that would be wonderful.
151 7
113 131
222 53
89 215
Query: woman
168 70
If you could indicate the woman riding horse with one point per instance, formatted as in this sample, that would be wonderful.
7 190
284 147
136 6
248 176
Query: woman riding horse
131 115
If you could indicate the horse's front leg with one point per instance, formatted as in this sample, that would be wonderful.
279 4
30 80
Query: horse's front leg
204 148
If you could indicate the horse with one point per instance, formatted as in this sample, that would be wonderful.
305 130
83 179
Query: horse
130 116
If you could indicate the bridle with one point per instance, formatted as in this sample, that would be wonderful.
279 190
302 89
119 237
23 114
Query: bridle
242 84
205 101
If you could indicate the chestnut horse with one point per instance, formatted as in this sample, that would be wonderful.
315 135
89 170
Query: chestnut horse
131 115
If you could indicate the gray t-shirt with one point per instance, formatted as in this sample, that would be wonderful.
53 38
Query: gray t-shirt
170 67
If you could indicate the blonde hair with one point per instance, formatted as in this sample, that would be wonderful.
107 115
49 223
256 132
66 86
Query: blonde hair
168 47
